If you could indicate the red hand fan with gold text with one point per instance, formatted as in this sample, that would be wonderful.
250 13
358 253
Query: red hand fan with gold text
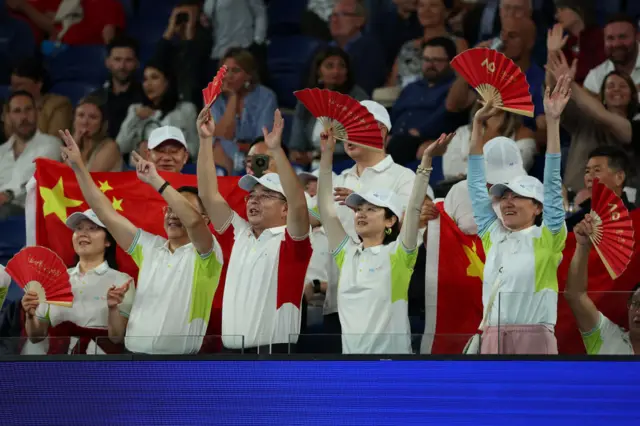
496 78
213 89
41 270
613 232
351 122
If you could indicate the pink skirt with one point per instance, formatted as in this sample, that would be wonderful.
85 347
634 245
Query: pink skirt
533 339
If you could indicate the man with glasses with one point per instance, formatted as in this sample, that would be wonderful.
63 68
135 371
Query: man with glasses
179 274
168 149
600 335
271 250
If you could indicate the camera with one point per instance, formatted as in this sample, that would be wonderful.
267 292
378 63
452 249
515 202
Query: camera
259 164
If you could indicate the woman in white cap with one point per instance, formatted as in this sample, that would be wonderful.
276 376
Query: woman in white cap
99 292
520 284
374 273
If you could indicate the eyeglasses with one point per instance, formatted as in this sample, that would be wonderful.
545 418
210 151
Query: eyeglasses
633 304
262 197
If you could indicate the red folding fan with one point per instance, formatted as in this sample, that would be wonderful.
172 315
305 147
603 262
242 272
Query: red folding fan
211 92
41 270
351 122
613 232
496 78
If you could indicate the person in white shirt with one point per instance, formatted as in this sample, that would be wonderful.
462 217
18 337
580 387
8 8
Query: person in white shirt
178 275
621 47
18 153
94 276
600 335
271 249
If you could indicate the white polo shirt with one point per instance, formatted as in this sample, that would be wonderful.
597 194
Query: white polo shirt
595 77
175 291
264 286
607 339
373 297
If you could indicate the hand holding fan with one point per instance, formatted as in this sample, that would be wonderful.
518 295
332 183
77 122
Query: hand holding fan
613 232
40 270
496 78
351 122
211 92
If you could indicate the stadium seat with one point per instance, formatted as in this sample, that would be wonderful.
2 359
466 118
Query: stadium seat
4 92
284 17
13 235
73 90
78 63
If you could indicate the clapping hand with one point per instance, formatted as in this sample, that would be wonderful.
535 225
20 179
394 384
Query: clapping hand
115 295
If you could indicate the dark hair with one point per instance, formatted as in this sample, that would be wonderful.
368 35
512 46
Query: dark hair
319 57
636 288
617 159
261 139
445 42
632 108
193 191
32 69
395 228
245 60
109 252
18 93
99 103
622 17
171 96
123 41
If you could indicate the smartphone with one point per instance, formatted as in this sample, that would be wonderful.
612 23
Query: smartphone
259 164
182 18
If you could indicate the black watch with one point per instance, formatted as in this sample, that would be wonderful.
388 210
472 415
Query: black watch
10 195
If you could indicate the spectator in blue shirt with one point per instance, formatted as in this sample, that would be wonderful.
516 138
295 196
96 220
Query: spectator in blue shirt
16 43
420 116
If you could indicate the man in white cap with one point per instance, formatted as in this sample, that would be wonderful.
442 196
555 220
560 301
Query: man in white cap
271 250
168 149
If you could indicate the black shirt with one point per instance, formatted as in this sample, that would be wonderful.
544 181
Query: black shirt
116 106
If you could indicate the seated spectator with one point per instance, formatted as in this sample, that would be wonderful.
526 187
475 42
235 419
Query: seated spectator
596 122
241 111
188 43
17 155
420 114
432 15
585 42
16 43
346 25
397 25
600 335
621 46
331 69
93 280
123 88
86 22
55 112
609 165
504 123
167 149
99 152
162 105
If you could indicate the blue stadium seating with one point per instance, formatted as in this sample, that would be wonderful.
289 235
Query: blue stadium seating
12 236
437 174
4 92
73 90
284 17
78 64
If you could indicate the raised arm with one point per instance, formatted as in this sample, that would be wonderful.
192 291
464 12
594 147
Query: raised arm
575 292
189 216
216 206
297 212
122 230
328 213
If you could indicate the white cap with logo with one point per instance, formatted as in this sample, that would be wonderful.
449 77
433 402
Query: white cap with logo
524 186
502 160
380 198
379 112
164 134
270 181
74 219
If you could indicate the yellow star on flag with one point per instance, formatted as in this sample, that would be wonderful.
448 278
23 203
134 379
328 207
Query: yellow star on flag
104 186
55 202
476 267
117 204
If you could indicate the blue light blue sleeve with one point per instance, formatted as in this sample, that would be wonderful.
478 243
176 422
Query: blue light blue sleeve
480 201
553 209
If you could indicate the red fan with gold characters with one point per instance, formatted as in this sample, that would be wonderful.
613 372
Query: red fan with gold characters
211 92
41 270
496 78
613 232
351 122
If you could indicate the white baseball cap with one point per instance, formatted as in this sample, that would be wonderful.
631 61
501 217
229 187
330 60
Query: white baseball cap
164 134
270 181
74 219
379 112
502 160
380 198
524 186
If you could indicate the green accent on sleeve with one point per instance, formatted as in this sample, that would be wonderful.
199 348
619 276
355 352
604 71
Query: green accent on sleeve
315 212
46 317
593 341
3 294
339 253
206 278
134 243
486 241
402 263
547 252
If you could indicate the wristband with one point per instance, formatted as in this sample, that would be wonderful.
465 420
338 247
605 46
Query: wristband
163 187
424 170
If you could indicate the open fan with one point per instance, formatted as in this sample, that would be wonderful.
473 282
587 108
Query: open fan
496 78
213 89
613 232
41 270
351 122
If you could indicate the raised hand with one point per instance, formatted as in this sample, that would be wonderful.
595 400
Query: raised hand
327 140
30 302
145 170
340 194
206 125
583 230
437 147
428 212
486 112
273 139
70 152
554 103
556 38
558 66
115 295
